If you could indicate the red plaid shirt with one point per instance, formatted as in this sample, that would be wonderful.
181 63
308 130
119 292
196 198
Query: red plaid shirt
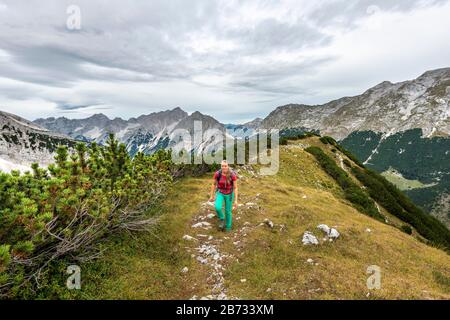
222 185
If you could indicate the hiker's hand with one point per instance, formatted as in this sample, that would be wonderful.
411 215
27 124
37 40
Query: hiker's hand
235 205
211 199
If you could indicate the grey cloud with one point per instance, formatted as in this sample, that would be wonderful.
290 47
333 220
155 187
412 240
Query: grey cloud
271 34
275 79
347 12
14 92
143 39
149 44
43 65
69 106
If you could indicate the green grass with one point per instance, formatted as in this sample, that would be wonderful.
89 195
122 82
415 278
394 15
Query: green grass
402 183
148 265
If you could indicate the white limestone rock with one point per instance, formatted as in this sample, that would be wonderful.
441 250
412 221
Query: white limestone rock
309 239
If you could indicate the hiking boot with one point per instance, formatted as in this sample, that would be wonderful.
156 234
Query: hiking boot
221 225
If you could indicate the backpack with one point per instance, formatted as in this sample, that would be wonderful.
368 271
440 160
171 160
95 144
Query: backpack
219 176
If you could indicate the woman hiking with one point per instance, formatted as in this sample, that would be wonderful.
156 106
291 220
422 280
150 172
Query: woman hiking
225 189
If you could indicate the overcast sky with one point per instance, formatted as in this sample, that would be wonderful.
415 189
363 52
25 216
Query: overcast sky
234 60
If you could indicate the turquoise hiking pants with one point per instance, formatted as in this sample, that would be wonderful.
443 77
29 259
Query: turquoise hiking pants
228 199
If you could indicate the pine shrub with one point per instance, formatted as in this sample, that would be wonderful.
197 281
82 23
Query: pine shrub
64 210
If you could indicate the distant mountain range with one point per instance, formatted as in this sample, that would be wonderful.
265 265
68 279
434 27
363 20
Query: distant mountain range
399 129
146 133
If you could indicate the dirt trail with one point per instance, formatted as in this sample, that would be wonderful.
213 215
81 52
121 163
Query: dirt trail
206 244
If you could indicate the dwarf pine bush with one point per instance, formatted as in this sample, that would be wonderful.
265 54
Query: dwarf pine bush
64 210
352 191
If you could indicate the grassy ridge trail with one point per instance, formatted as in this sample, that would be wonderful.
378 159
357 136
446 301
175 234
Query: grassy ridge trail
185 256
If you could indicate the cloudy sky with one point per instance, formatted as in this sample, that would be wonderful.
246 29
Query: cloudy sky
234 60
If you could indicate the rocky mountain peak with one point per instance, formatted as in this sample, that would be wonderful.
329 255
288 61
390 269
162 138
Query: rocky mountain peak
99 116
437 73
387 108
207 121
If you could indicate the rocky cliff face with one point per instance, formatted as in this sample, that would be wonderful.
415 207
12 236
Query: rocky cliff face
387 108
23 142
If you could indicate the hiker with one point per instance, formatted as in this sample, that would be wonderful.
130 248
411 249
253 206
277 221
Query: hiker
225 189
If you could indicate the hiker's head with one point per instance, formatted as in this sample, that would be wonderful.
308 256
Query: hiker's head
225 166
226 170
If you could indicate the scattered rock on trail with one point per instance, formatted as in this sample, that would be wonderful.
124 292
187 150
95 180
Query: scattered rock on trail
309 239
211 257
208 250
268 223
202 224
312 262
208 203
331 233
189 238
202 260
251 204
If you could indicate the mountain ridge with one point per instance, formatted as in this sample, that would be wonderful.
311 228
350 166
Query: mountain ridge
410 99
421 103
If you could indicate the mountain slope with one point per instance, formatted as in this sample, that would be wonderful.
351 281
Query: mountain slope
399 129
23 142
264 258
387 108
419 166
139 134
